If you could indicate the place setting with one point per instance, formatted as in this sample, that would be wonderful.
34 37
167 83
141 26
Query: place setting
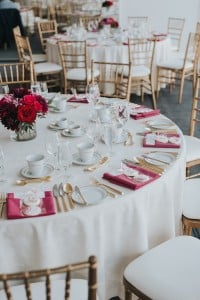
138 112
60 124
86 154
58 104
73 130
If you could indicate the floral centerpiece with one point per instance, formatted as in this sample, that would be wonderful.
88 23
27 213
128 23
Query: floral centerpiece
19 110
107 3
108 21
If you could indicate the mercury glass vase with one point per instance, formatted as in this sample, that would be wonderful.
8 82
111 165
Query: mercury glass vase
24 133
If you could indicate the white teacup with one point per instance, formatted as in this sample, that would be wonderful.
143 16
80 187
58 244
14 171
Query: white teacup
35 164
86 151
62 123
75 129
60 103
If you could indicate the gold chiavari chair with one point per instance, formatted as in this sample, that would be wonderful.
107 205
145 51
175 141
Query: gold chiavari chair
197 28
141 55
40 57
74 60
137 20
90 23
178 68
167 271
42 284
174 30
114 79
46 29
44 71
18 74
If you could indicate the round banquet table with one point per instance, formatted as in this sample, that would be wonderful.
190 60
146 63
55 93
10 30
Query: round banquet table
116 230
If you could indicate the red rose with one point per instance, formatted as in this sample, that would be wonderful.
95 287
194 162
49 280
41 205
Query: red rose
26 113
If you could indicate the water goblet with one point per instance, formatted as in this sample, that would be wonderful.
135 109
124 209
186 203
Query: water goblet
108 136
92 92
2 165
4 89
52 145
65 159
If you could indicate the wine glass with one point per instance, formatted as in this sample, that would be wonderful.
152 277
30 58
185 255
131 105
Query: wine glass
2 165
4 89
108 136
65 159
36 88
92 92
52 145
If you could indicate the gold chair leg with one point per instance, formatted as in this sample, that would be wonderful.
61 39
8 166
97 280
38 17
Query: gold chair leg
128 295
181 90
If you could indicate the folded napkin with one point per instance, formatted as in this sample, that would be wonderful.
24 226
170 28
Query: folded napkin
141 112
131 183
15 206
162 140
78 99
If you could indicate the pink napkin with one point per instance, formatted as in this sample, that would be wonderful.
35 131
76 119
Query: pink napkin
14 209
130 183
145 114
164 144
78 99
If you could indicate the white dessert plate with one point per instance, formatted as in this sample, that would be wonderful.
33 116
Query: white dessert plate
160 124
159 158
48 169
77 161
92 194
66 132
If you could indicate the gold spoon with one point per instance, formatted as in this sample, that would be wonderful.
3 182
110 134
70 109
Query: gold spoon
33 180
100 163
68 189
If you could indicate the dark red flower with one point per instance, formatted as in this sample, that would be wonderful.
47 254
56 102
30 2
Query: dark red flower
27 113
20 92
107 3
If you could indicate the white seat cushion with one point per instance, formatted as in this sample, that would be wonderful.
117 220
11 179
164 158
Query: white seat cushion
170 271
192 148
174 64
39 58
139 71
191 203
46 67
79 290
80 74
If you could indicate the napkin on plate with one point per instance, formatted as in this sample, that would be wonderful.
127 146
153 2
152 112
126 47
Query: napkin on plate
14 206
140 113
78 99
131 183
163 140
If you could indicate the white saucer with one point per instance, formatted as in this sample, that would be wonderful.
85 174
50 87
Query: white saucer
77 161
55 126
167 158
161 124
66 132
92 194
48 169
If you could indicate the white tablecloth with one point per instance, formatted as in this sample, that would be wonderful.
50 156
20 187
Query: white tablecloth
116 231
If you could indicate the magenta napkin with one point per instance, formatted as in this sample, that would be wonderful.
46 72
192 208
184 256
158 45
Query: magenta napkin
15 208
124 180
173 140
145 114
78 99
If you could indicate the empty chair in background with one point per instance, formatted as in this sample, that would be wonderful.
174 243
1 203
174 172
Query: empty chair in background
36 57
74 60
44 71
46 29
90 23
114 79
43 284
174 30
141 56
176 69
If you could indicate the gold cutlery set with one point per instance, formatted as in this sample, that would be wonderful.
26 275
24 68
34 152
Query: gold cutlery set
63 197
2 203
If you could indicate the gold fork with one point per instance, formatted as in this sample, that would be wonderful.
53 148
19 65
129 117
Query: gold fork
2 202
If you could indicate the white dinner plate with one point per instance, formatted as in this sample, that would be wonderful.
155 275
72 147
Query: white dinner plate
77 161
160 124
48 169
92 194
66 132
165 158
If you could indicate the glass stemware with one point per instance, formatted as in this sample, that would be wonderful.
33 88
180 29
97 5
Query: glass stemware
2 166
65 159
52 146
93 93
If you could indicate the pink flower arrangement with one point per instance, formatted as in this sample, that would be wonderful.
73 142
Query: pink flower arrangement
108 21
20 108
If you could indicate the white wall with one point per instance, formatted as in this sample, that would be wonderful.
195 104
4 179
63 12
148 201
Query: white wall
159 10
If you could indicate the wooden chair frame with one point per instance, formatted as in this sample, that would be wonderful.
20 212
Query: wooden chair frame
175 29
20 74
46 29
141 54
73 55
90 22
137 20
115 77
45 274
167 74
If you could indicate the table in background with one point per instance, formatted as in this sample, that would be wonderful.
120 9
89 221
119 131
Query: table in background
116 231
